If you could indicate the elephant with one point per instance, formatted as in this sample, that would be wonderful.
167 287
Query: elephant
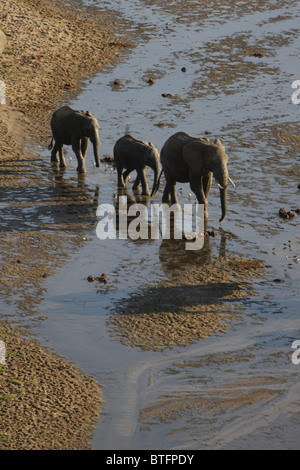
71 127
185 158
134 154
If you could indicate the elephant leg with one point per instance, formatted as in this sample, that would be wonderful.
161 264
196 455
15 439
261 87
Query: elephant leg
84 146
166 195
54 156
121 183
207 181
172 186
142 178
196 186
80 160
126 174
137 183
62 162
169 194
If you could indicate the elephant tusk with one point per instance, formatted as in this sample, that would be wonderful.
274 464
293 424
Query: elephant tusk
230 180
221 187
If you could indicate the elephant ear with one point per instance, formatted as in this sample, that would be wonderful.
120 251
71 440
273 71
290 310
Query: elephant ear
219 143
194 155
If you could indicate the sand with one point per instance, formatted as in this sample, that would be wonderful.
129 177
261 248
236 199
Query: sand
46 403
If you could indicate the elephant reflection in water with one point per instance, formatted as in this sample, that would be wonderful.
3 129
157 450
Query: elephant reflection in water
72 201
138 220
143 224
175 259
131 219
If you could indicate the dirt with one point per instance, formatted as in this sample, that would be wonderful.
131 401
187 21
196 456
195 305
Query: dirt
45 402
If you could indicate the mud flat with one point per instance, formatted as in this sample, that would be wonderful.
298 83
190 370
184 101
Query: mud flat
45 401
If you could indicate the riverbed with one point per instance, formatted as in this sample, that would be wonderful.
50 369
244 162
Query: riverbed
226 71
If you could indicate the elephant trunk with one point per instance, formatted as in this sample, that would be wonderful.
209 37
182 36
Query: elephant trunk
156 170
222 178
223 198
96 152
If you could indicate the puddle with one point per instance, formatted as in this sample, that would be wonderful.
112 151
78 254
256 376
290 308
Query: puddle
234 390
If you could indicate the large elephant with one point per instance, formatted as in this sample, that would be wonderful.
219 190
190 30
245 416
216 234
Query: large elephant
71 127
134 154
195 160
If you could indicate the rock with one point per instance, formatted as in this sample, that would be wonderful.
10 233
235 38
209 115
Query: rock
211 233
287 214
166 95
259 54
108 159
290 214
91 278
183 69
151 81
190 236
102 278
2 41
282 213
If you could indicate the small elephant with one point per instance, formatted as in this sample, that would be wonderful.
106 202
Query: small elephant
134 154
191 159
71 127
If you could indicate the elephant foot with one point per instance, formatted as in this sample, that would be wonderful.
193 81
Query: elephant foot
145 193
81 171
166 200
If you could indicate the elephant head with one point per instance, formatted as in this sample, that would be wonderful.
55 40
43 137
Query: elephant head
91 130
203 158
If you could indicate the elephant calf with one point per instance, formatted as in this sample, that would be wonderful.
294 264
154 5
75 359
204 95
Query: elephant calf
134 154
191 159
74 128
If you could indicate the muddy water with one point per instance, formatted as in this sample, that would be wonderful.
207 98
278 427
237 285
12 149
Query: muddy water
234 390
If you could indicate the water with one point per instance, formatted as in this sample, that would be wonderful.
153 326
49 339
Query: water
233 390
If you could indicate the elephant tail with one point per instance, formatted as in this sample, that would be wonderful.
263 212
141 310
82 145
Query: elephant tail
51 144
156 186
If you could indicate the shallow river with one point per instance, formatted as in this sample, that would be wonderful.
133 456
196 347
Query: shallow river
199 396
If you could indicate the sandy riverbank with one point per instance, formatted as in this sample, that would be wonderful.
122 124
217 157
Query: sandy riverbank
45 402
